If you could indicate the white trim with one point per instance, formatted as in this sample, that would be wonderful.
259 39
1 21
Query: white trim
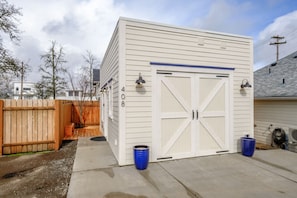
211 95
178 97
110 93
251 91
212 134
122 87
228 113
105 126
156 91
175 136
175 114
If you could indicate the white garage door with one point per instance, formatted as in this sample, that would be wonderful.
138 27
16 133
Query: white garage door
192 115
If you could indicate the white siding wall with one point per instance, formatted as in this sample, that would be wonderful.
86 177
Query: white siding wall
278 113
147 43
110 70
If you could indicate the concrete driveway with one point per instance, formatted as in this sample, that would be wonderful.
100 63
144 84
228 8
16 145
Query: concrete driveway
270 173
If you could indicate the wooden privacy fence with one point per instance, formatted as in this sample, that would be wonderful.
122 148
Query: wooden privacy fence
33 125
86 112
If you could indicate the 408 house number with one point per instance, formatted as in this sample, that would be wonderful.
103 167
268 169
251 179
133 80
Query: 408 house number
123 97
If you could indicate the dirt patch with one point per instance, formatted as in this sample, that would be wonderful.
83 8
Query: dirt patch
37 175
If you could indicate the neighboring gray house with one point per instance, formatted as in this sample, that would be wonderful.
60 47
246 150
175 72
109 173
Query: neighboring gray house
275 92
177 90
96 82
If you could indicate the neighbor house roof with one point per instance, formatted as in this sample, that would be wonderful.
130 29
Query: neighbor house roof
277 80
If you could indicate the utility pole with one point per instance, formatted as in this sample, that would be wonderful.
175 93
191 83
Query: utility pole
22 80
277 43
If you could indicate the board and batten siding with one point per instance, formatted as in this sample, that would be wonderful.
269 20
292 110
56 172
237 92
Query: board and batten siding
147 42
109 76
271 114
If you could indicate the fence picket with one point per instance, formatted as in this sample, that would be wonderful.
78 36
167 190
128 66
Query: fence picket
6 128
1 126
13 127
44 131
24 126
19 123
30 126
50 123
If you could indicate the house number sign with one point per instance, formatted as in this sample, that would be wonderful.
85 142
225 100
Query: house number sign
123 97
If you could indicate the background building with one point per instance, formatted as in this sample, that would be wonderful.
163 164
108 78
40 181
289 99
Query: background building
28 92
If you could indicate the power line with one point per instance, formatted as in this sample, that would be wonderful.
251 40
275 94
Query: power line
277 43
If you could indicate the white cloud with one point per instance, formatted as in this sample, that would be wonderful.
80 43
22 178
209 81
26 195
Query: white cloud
76 25
226 16
80 25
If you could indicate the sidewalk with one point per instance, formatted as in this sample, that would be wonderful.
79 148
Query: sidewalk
270 173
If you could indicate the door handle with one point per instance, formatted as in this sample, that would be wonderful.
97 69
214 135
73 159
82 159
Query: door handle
197 114
193 115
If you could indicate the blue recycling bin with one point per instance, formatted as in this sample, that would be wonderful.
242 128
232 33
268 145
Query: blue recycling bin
248 146
141 156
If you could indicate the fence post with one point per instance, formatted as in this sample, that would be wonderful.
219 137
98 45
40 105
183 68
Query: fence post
57 125
1 125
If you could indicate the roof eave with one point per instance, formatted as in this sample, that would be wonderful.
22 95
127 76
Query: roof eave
276 98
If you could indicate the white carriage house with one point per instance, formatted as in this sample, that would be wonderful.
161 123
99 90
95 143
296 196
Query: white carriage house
176 90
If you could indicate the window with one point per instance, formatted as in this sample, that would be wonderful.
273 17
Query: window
70 93
110 101
27 89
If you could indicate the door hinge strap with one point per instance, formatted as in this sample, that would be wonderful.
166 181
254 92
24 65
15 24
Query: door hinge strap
223 151
163 158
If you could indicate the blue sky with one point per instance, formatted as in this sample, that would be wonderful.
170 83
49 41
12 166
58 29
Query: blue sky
80 25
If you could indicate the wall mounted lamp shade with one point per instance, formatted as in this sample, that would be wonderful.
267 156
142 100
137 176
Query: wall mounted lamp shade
245 83
103 90
139 81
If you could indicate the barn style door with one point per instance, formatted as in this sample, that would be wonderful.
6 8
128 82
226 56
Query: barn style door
212 107
192 115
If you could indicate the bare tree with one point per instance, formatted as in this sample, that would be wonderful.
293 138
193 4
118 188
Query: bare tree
6 87
83 87
91 63
41 90
71 79
80 84
8 26
52 70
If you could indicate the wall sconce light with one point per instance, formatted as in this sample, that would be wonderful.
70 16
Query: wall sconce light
245 83
103 90
139 81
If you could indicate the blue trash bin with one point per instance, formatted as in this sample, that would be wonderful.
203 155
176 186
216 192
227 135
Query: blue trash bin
248 146
141 156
